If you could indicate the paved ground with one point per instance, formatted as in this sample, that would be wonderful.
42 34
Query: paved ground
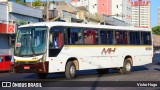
150 72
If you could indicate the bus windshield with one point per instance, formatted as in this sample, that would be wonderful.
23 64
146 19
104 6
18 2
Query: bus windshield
31 41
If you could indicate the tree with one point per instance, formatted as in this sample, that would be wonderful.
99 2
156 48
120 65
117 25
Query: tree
156 30
20 2
37 3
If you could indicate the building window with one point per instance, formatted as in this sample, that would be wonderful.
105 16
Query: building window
117 6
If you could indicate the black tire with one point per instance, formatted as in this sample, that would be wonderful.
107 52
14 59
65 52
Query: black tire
102 71
42 75
127 67
70 71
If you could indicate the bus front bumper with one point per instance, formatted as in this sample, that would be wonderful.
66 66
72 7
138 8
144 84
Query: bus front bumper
41 67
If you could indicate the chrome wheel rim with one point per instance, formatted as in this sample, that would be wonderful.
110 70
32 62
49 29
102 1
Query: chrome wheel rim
72 70
128 66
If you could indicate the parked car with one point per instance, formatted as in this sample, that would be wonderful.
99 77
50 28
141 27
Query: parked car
5 62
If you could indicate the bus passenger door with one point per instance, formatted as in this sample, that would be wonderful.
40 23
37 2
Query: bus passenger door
1 63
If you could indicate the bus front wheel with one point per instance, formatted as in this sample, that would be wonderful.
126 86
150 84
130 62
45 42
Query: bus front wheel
127 67
70 70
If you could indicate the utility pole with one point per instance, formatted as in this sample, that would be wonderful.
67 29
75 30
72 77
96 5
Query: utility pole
31 3
47 10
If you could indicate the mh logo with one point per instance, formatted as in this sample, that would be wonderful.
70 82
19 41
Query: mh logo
108 51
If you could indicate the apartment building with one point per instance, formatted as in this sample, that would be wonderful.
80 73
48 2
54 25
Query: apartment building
121 9
91 5
141 14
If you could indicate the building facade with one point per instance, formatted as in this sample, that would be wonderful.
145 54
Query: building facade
141 14
159 16
121 9
104 7
11 0
13 15
63 11
94 6
91 5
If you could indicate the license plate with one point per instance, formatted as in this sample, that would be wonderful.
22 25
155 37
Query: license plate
26 67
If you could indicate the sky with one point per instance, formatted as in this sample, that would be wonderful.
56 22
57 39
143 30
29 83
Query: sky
154 10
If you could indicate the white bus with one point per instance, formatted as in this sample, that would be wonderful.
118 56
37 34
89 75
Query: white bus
51 47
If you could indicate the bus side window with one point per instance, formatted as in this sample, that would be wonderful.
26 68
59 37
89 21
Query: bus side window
149 38
146 38
118 37
103 35
87 37
57 37
60 40
50 40
137 37
107 37
75 36
125 37
53 39
90 36
143 38
132 38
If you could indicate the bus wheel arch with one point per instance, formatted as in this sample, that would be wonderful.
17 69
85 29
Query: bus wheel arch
75 61
129 57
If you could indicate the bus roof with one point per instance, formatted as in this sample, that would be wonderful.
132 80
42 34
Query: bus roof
51 24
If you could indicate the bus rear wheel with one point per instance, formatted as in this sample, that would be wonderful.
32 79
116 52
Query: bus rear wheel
42 75
102 71
70 70
127 67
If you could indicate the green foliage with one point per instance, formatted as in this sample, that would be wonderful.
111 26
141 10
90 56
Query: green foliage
156 30
20 2
37 3
21 22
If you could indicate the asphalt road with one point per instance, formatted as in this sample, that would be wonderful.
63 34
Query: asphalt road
150 72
